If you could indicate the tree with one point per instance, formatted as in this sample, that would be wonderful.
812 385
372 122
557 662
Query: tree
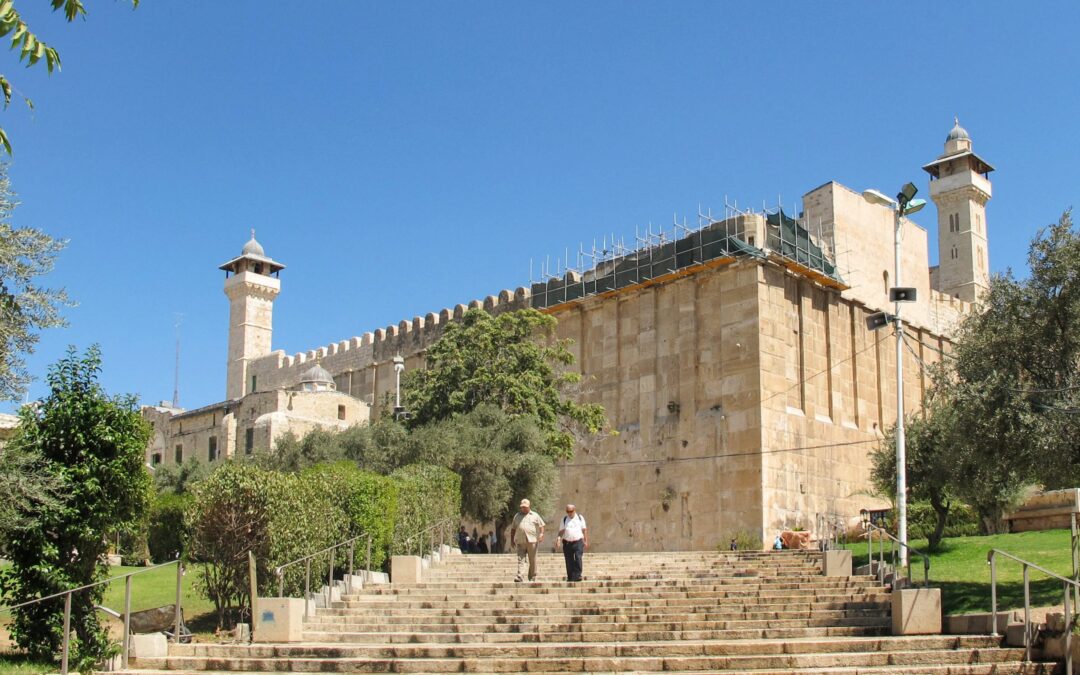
31 49
512 361
26 487
499 458
179 479
93 445
25 307
1006 412
930 469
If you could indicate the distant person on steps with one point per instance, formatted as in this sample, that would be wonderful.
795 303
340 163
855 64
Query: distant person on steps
574 537
526 532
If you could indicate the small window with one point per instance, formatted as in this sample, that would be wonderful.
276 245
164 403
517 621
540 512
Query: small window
254 380
155 458
258 268
885 276
341 412
249 441
178 455
750 241
212 449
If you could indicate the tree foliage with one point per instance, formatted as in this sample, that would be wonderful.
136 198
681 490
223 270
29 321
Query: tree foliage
30 47
1006 400
26 487
25 307
93 445
500 458
512 361
931 471
179 479
369 501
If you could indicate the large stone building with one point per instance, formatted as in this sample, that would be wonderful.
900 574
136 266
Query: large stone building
735 361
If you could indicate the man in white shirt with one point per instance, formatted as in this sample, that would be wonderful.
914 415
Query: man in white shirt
574 537
526 532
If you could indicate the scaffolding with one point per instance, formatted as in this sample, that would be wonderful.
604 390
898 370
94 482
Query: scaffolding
664 254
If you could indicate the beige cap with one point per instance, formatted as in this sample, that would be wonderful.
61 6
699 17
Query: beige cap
525 502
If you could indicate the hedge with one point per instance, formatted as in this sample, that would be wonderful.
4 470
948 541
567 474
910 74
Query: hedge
282 517
370 503
426 495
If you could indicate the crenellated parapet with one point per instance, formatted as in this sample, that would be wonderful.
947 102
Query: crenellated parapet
361 365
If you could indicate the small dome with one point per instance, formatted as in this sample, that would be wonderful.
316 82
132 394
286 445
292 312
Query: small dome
253 247
958 132
316 375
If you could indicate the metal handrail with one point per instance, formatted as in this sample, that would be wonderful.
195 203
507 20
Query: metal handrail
831 530
351 543
431 540
127 609
991 559
870 529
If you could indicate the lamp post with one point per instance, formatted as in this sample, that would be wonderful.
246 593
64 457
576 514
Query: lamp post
399 368
904 204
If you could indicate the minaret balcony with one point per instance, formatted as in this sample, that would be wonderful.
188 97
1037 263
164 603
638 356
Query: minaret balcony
958 181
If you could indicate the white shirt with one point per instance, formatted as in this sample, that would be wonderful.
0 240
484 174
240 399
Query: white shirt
572 527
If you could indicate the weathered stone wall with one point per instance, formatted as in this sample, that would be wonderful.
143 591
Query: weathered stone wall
676 367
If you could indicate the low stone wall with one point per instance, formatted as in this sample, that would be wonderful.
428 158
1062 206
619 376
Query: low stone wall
1046 511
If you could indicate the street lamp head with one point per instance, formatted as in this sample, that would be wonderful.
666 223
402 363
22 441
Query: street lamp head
875 197
913 206
907 193
399 364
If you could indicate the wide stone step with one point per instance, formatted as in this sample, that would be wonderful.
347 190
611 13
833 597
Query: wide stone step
699 648
627 662
529 634
425 622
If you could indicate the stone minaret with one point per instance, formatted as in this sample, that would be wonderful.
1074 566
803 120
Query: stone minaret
960 187
251 283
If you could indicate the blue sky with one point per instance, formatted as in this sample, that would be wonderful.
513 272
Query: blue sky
403 157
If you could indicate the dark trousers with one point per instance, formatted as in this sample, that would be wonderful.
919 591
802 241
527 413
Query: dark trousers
573 552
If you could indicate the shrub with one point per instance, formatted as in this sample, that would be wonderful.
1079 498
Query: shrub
746 540
278 517
166 531
370 503
426 495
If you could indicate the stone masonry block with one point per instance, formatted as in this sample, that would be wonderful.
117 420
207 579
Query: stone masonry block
405 569
279 620
150 645
916 611
836 563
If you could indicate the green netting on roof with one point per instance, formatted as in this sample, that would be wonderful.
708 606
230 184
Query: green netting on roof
792 240
644 265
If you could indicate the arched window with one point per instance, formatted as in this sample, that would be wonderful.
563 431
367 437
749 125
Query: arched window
885 276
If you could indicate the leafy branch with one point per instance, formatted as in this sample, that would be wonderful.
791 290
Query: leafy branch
31 49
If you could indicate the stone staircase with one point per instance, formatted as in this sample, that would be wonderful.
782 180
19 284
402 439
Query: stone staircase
698 612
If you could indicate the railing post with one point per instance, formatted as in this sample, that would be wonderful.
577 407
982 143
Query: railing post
280 583
348 579
870 548
993 594
1027 616
126 644
330 580
67 634
179 593
367 565
1068 631
1075 541
307 586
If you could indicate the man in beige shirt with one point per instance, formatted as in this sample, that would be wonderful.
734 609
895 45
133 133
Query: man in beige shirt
526 532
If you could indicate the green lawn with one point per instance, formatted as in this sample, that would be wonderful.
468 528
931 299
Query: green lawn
153 588
961 571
